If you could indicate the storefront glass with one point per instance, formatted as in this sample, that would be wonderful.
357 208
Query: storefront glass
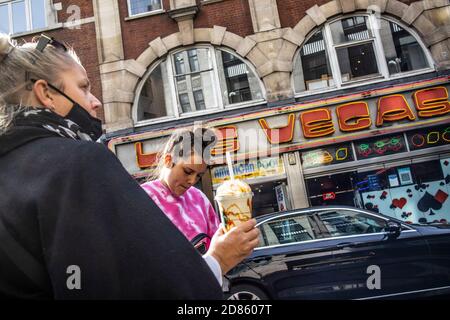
267 180
415 193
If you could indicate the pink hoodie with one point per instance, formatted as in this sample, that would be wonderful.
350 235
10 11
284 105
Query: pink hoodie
191 212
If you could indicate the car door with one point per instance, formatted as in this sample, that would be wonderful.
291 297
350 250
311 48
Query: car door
370 264
294 262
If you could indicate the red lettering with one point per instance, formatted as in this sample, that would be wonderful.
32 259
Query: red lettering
432 102
279 134
393 108
144 160
316 123
353 116
227 141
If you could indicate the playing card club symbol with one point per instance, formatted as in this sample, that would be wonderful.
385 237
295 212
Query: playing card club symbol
371 207
421 187
423 220
399 203
370 196
429 202
406 214
383 195
409 190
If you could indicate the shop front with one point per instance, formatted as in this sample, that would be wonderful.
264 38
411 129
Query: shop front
406 175
386 150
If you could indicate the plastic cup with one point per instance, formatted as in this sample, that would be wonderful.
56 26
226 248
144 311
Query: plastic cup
234 198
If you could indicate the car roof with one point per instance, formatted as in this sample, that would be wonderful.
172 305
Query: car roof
305 211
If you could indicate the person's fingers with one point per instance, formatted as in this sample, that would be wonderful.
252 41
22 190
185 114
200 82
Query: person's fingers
252 234
254 243
247 225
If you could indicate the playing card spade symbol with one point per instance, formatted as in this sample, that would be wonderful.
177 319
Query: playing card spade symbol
370 196
432 213
428 202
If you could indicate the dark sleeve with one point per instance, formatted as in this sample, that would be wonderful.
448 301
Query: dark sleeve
100 220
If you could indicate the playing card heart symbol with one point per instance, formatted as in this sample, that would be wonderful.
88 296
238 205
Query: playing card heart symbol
399 203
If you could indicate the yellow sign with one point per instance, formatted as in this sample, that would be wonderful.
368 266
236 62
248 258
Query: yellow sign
249 170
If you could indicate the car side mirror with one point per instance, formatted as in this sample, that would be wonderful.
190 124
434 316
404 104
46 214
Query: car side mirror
393 229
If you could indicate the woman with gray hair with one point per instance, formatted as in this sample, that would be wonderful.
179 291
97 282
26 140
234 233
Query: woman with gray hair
73 222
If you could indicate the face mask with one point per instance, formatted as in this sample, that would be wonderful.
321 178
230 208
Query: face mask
88 124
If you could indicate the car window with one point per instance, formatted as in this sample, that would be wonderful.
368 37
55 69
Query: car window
344 222
287 229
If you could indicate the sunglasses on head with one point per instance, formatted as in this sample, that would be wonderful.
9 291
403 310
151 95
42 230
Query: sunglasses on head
42 43
45 40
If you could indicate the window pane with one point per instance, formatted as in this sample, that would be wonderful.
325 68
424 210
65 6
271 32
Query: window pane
346 223
193 60
239 83
402 51
357 61
312 69
350 29
152 101
141 6
199 100
288 230
179 63
4 19
194 80
19 17
38 14
184 102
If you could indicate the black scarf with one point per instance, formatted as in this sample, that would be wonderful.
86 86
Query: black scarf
50 121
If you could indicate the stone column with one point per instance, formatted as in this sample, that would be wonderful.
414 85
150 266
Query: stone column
114 71
296 180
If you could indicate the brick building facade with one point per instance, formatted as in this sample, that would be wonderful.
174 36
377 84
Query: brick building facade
265 65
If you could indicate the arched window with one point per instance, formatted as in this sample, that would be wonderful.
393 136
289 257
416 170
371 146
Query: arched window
196 80
358 48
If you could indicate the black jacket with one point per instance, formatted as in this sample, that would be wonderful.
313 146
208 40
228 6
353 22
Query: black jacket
70 202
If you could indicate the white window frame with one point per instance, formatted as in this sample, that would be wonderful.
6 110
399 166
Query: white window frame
219 103
28 17
378 50
146 12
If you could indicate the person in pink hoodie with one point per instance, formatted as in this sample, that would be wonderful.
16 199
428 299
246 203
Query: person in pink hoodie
182 163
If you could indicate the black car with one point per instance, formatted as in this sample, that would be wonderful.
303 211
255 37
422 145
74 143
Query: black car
343 253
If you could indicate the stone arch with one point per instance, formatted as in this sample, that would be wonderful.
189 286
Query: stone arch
217 36
436 39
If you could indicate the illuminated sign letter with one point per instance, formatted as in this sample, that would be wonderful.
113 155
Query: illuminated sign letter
144 160
227 140
316 123
432 102
353 116
393 108
280 134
